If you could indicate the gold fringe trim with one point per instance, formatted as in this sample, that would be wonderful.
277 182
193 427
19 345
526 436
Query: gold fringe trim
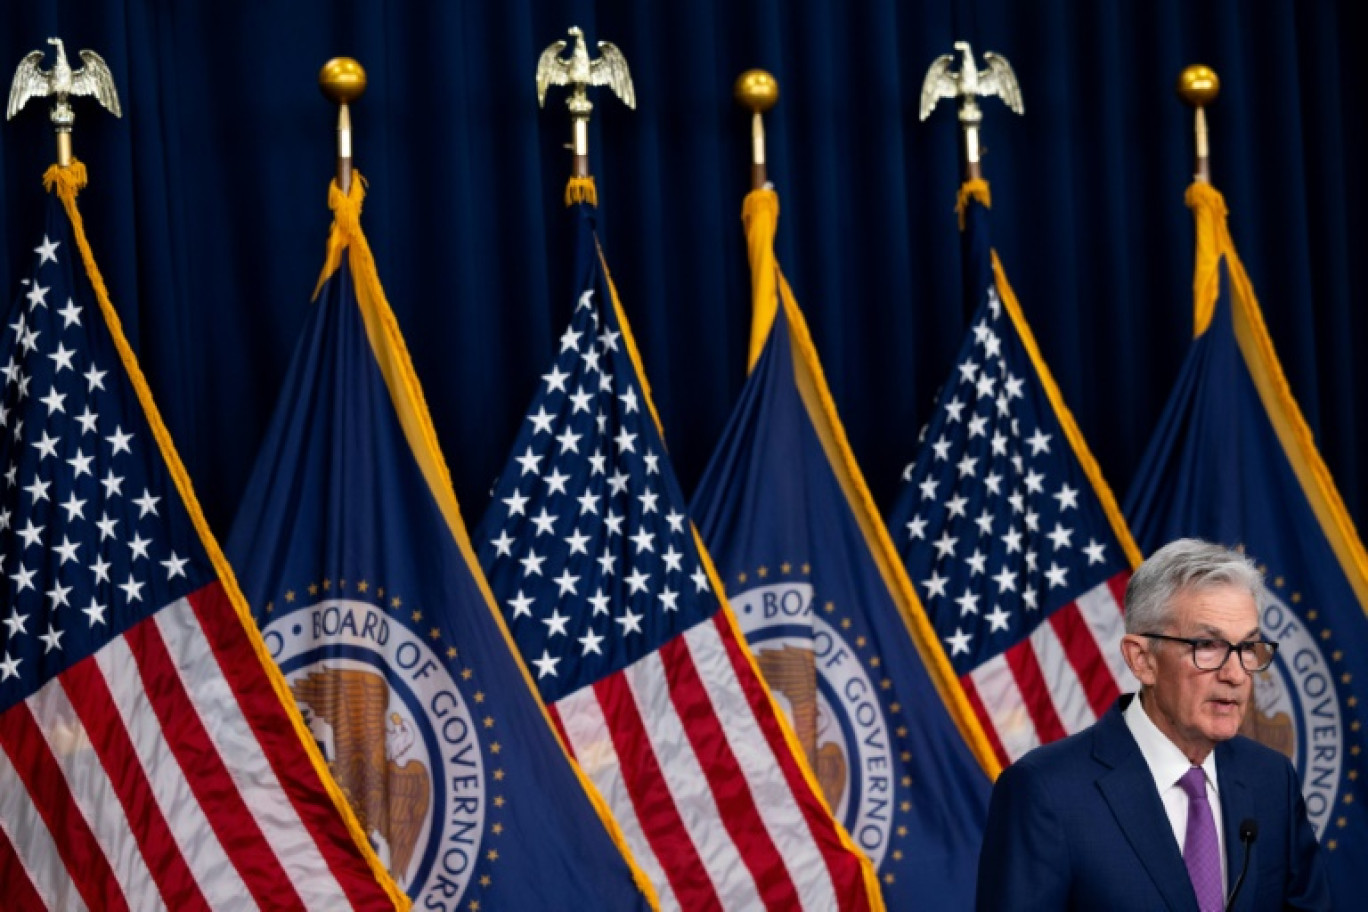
67 182
1209 215
581 190
972 189
868 874
629 342
1066 419
821 408
771 290
1256 347
346 227
406 393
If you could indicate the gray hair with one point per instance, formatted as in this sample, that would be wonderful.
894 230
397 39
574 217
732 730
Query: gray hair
1183 565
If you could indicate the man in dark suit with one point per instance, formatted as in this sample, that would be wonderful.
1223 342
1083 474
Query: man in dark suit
1157 805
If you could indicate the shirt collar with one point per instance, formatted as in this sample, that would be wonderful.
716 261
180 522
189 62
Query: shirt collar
1166 762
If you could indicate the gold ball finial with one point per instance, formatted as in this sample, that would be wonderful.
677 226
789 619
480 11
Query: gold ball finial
1198 85
756 90
342 80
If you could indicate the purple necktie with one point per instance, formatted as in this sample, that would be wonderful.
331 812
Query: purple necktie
1201 851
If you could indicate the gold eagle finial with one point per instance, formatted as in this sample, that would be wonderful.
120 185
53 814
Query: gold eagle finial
61 82
579 72
968 84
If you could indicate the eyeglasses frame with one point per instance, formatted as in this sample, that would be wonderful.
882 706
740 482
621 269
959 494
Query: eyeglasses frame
1194 642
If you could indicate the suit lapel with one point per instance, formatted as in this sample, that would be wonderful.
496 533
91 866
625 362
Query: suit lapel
1128 788
1237 804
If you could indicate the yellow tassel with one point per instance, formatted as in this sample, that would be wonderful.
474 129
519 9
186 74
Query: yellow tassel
68 181
1202 195
760 215
581 190
972 189
759 202
346 227
1209 214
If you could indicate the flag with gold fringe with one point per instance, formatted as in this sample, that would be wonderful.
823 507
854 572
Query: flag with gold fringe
150 754
614 603
1008 530
351 548
1234 461
831 617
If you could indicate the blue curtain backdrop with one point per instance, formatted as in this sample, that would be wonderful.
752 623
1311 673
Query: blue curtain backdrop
207 202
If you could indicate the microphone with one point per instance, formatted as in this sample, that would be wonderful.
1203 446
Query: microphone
1249 831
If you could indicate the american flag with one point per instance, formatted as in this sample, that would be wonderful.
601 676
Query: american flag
147 760
602 579
1010 535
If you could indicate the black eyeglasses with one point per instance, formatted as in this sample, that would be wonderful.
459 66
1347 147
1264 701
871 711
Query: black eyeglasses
1211 655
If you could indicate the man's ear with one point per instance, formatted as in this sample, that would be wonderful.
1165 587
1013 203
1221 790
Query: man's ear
1136 651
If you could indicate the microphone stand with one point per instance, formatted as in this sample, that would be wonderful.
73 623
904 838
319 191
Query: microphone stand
1249 831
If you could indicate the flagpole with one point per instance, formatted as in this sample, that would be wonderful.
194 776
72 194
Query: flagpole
62 82
343 80
757 91
1198 86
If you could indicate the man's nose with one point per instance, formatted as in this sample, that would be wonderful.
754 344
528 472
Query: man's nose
1232 672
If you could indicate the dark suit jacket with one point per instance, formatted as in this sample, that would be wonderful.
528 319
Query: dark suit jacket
1078 824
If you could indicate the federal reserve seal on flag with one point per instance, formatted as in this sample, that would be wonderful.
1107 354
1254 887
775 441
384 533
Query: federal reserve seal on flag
351 549
838 714
400 724
1300 702
831 617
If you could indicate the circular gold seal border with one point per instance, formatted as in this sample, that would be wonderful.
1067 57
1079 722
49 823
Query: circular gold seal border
873 663
1353 747
392 603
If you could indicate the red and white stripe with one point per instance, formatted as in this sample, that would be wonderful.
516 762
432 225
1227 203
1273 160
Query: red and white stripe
163 773
685 747
1059 679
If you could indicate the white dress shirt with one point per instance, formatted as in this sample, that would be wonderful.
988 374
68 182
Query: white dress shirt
1167 764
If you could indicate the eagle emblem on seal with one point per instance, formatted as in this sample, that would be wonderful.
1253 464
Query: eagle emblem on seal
791 671
347 711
